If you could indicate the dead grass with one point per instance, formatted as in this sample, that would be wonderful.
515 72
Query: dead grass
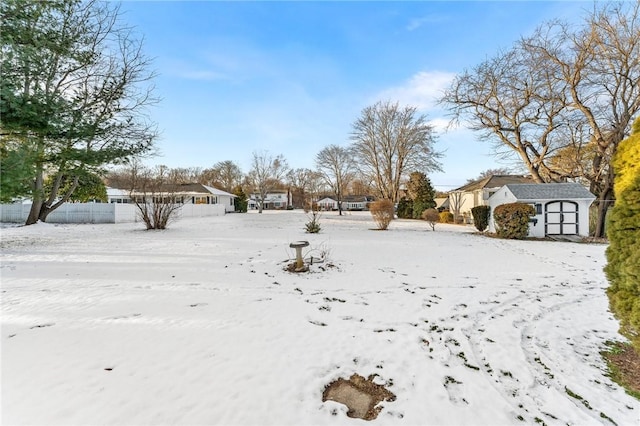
624 366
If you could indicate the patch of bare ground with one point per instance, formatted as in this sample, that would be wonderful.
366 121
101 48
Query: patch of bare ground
624 366
360 395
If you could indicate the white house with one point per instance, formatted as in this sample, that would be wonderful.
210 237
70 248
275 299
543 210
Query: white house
222 197
274 200
327 204
356 202
119 196
561 208
187 193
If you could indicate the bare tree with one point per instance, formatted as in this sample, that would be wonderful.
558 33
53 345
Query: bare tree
490 172
360 187
390 141
266 174
153 191
514 105
224 174
456 201
185 174
600 64
561 99
336 167
303 184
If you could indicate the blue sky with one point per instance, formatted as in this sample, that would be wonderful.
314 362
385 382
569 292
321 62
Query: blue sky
291 77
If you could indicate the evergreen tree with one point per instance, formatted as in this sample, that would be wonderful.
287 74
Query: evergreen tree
241 203
88 187
421 193
405 208
623 253
74 91
16 169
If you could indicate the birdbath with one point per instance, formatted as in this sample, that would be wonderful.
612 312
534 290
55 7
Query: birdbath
299 245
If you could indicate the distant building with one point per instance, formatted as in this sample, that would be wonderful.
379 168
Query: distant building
562 209
477 193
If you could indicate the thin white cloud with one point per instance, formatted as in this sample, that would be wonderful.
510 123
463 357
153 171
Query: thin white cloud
422 90
416 23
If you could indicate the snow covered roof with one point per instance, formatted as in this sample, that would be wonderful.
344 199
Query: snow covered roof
216 191
115 192
550 191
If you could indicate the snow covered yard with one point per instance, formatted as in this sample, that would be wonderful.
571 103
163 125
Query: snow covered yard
201 324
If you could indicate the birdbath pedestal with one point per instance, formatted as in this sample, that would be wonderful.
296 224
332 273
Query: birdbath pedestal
299 245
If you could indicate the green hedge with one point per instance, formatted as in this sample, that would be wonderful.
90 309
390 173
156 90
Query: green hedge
512 220
623 267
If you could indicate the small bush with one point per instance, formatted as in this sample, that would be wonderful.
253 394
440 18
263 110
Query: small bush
481 217
512 220
382 212
313 226
446 217
432 216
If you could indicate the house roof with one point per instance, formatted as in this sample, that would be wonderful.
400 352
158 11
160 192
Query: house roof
494 181
550 191
183 188
216 191
116 192
198 188
442 202
357 198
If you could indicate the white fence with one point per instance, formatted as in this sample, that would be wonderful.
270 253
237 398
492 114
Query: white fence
100 212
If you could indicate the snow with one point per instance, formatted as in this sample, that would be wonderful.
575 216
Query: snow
201 324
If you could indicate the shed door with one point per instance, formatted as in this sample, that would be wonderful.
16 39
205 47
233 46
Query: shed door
561 218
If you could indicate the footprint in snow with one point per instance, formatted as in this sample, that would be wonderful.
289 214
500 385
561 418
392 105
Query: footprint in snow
454 390
42 325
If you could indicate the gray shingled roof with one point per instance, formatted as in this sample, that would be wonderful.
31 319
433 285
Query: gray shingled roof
550 191
493 181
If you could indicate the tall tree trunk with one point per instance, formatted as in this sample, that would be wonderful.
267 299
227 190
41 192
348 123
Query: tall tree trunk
37 197
604 200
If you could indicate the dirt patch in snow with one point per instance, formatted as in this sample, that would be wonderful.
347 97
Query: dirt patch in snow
360 395
624 364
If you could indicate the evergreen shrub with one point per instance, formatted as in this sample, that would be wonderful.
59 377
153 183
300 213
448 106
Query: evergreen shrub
382 212
623 267
446 217
481 217
512 220
313 226
623 231
405 208
241 202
